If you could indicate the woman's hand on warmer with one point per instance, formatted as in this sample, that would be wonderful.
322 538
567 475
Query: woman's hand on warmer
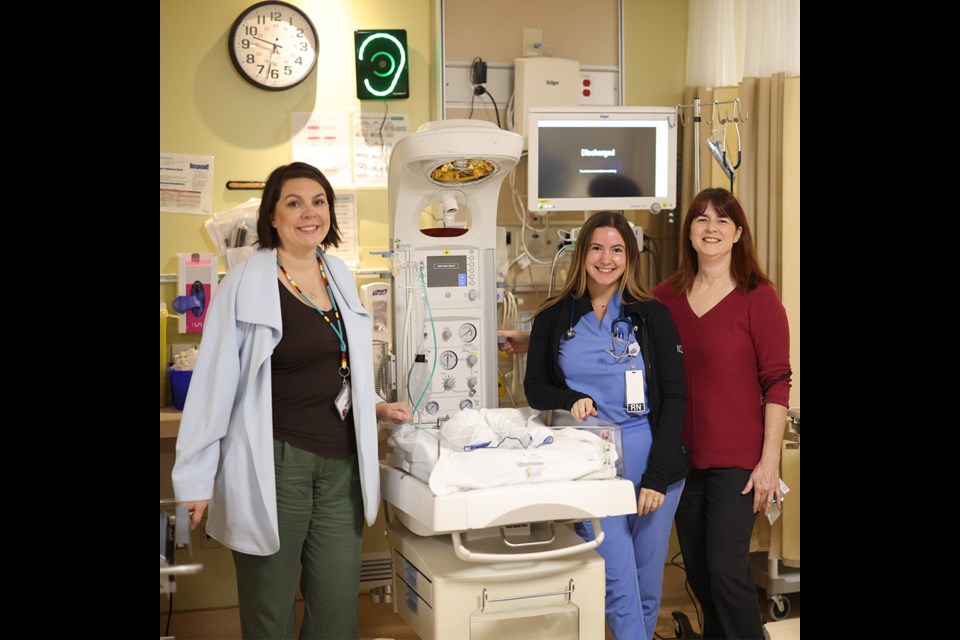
583 408
396 412
517 341
195 510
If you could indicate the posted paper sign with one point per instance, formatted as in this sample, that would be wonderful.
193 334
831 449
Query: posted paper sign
186 183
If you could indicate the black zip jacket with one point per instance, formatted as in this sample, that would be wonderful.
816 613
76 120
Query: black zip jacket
546 387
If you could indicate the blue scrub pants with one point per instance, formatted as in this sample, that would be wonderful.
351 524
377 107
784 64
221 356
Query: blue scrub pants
634 548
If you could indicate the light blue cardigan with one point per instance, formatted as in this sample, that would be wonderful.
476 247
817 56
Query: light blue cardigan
225 445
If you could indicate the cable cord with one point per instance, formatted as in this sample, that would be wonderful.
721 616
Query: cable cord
495 109
169 615
540 45
655 252
521 213
380 132
686 586
426 302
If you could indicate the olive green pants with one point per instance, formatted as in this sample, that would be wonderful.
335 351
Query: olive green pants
320 512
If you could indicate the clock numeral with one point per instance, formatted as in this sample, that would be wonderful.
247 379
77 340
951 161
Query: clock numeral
304 46
250 30
260 68
299 33
288 71
261 19
274 74
250 58
298 60
245 44
276 16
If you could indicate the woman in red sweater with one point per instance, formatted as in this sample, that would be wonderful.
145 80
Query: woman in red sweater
736 355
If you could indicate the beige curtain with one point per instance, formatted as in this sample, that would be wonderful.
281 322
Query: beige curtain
759 181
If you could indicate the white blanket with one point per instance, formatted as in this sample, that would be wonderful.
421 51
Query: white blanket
497 447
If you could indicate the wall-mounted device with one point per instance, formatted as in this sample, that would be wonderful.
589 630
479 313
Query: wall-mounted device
602 158
382 64
197 281
375 297
544 82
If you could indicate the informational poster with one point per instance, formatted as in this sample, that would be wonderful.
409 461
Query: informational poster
374 136
345 208
323 140
186 183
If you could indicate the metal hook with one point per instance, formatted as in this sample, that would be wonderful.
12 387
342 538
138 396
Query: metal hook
726 118
683 121
738 109
714 112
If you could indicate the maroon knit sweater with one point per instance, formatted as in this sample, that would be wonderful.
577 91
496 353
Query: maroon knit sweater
729 355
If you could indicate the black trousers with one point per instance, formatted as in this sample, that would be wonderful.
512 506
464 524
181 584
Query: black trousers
714 525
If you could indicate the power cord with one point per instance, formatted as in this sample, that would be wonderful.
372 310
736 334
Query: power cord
478 90
169 615
380 132
478 77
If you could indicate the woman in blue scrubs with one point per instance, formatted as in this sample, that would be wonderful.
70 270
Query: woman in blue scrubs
603 346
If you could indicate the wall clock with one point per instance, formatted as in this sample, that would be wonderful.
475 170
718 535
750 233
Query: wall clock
273 45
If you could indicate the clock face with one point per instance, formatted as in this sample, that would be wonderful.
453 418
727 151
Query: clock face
273 45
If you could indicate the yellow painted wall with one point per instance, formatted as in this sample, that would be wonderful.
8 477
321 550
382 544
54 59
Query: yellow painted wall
654 51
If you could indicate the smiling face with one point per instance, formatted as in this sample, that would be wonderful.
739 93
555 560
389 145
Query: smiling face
606 258
301 216
713 236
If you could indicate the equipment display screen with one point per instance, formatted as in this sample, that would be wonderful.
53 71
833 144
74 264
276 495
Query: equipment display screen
446 271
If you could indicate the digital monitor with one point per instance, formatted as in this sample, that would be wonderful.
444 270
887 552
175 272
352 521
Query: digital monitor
446 271
602 158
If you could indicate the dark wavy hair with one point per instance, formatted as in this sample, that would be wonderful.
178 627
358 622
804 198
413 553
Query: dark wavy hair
269 239
745 269
630 281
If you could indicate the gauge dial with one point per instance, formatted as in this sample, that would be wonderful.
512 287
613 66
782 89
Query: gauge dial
432 407
466 404
448 360
468 332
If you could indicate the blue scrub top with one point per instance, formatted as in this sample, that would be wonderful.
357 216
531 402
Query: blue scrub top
589 369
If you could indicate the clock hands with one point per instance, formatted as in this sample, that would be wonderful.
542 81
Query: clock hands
270 64
273 53
272 44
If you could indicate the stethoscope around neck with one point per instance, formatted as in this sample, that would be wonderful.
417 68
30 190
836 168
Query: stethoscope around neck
571 333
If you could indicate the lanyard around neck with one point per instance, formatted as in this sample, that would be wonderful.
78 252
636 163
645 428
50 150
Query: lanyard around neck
338 328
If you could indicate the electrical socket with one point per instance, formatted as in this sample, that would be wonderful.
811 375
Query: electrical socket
532 35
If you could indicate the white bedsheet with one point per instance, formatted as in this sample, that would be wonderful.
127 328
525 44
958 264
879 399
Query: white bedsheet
480 449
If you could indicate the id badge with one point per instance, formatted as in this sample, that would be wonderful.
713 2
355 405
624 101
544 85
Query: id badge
343 401
635 400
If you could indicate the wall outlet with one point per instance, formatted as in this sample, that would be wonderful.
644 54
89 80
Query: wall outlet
532 35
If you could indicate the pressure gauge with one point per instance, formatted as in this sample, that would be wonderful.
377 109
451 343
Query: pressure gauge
448 360
432 407
466 404
468 332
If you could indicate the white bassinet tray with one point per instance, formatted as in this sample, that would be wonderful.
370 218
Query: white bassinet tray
427 514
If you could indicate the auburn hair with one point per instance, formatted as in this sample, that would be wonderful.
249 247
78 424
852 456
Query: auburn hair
745 269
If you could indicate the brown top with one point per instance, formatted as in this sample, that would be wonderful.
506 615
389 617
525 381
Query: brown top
304 368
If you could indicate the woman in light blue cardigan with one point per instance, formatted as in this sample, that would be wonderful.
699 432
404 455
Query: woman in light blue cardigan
279 431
